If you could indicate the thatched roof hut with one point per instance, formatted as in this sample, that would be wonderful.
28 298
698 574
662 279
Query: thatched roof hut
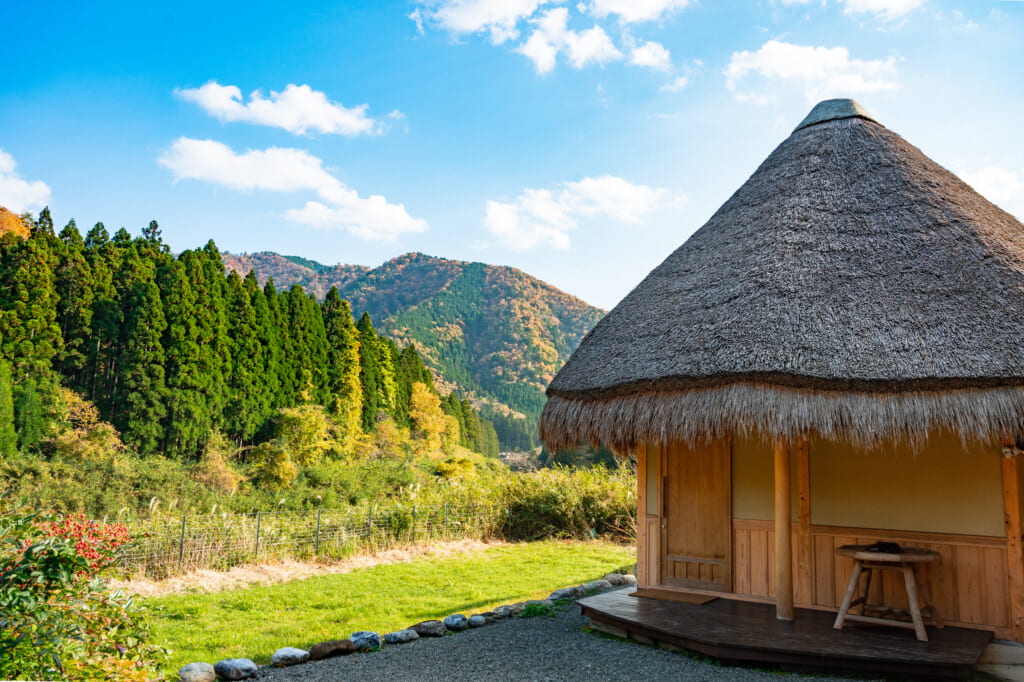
852 286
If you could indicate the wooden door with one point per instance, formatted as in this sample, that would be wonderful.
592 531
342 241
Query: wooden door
697 516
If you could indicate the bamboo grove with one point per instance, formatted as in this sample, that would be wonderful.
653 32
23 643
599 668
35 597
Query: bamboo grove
172 350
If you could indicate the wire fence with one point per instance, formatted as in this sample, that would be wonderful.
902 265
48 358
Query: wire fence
169 544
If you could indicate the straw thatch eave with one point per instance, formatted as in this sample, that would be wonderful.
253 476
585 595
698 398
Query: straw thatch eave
851 285
622 422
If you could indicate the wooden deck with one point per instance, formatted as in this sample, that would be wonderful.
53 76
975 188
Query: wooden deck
731 630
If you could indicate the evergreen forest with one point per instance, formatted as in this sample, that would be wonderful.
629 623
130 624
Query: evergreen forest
128 373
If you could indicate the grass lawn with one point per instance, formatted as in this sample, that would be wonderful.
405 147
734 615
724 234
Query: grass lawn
254 622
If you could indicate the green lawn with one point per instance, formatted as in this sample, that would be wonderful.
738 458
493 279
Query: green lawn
254 622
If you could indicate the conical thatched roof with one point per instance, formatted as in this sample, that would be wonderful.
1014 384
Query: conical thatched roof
851 286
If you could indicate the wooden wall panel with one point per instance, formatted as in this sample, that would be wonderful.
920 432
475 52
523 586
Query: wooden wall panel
653 524
969 582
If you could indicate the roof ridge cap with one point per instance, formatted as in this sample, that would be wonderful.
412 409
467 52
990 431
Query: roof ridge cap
834 110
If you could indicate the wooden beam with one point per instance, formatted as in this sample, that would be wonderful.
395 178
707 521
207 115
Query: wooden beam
805 543
783 532
1014 550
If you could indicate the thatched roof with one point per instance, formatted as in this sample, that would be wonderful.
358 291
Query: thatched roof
851 286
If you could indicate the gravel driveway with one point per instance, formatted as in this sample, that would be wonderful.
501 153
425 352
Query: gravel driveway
539 648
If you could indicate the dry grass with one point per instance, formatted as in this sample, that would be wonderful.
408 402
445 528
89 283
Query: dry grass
205 581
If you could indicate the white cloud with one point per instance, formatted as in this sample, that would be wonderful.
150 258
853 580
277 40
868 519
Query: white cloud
883 9
678 84
633 11
299 109
651 54
551 35
1003 187
539 217
498 18
291 170
819 71
18 195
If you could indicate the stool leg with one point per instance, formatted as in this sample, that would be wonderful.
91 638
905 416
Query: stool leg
915 606
854 580
867 589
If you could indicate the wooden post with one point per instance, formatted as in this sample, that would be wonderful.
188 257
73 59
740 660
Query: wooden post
1014 551
316 549
181 547
805 547
783 532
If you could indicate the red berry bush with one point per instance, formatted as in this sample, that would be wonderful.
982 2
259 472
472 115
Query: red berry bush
58 617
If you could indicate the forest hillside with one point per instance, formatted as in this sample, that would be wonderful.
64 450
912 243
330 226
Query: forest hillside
491 332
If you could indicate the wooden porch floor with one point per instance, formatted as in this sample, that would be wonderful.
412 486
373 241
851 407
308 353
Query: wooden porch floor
732 630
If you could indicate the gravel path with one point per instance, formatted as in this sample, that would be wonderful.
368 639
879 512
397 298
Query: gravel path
538 648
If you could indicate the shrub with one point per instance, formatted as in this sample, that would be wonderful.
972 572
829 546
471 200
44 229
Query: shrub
570 503
57 615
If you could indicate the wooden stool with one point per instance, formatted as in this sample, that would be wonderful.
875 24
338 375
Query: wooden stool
865 561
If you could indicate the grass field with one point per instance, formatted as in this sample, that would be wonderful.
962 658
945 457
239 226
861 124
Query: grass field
254 622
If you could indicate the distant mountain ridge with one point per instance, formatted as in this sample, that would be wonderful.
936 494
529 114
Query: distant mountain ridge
493 332
315 278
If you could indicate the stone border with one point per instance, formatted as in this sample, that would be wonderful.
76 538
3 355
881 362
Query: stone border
365 641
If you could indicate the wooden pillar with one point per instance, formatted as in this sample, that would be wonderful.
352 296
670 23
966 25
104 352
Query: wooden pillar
805 546
783 531
642 570
1014 551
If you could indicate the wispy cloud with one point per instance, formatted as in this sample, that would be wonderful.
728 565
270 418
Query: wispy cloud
17 194
652 55
544 217
291 170
497 18
819 72
887 10
676 85
299 109
634 11
549 31
551 35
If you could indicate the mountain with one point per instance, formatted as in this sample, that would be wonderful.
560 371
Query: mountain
492 332
314 277
10 222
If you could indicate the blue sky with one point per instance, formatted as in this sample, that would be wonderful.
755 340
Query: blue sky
578 141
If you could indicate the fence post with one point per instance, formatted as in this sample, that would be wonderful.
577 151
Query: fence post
369 523
316 550
256 553
414 524
446 520
181 546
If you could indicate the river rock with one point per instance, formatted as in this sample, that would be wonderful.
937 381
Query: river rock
516 609
401 637
335 647
197 672
456 622
629 580
477 621
565 593
234 668
595 585
502 612
615 578
364 640
289 655
430 628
